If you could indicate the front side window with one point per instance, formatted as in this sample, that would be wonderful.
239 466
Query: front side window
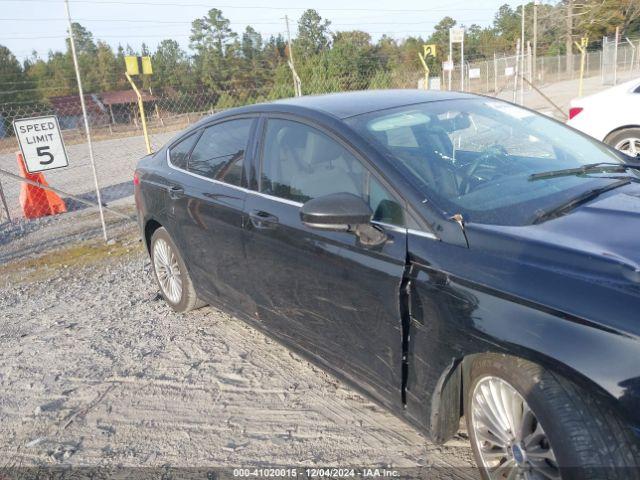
219 153
300 162
484 158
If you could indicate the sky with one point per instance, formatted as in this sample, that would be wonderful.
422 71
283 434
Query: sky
40 25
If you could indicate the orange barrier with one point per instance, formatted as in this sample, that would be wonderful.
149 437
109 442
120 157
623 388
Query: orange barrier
35 201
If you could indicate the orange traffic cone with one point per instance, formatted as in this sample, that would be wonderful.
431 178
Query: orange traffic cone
35 201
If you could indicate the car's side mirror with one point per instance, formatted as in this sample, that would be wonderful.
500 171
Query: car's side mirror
337 211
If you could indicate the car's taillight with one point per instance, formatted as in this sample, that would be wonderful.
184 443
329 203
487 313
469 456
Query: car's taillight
574 111
136 179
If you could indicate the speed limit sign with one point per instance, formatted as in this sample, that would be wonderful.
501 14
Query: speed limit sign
41 143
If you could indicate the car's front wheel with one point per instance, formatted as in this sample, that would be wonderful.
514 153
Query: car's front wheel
526 422
171 273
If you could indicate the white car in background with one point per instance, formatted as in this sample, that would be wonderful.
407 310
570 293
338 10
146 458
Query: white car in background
611 116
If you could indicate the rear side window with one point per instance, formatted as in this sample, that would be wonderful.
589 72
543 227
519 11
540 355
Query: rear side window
180 152
219 153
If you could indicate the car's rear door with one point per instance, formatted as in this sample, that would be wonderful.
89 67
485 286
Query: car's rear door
322 291
206 203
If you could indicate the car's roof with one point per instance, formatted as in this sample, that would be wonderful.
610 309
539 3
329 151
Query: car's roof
349 104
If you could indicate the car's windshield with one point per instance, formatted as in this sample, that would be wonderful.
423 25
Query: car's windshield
482 157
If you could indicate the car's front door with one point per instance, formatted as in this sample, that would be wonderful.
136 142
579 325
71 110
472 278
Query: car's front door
207 205
321 291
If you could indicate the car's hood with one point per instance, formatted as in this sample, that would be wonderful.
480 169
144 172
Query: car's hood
593 252
602 235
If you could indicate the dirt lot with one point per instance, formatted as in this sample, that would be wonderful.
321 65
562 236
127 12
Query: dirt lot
95 370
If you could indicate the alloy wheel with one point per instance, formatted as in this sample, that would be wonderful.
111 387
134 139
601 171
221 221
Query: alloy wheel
510 440
630 146
167 270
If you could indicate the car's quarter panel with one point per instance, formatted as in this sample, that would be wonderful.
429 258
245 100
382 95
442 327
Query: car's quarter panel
489 298
151 191
329 296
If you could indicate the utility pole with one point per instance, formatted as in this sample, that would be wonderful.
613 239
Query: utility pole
522 55
297 86
569 36
515 76
462 64
615 57
534 73
87 130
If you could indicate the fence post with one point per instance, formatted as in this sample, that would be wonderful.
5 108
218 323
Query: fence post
86 120
495 72
615 58
4 203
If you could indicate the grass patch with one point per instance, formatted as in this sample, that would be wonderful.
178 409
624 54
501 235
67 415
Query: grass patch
52 263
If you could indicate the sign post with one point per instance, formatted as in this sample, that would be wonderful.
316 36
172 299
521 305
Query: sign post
139 66
427 51
456 35
582 46
41 143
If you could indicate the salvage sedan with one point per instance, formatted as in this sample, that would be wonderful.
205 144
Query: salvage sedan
450 255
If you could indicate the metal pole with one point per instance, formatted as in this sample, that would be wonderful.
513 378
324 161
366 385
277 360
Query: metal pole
547 98
86 120
522 56
515 77
495 72
486 70
4 202
529 62
535 42
66 194
633 53
143 116
296 79
615 58
450 59
462 63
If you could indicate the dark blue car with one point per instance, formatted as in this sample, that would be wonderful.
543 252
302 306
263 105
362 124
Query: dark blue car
448 254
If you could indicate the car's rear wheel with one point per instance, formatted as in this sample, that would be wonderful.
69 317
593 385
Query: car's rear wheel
626 140
526 422
171 273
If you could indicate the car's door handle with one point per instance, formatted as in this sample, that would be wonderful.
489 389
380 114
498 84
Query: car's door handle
176 191
263 220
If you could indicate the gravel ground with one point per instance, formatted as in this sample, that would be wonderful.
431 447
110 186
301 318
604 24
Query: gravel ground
95 370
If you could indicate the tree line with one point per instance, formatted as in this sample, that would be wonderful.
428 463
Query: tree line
232 68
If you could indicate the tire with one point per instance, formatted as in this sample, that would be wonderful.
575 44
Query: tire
576 435
171 273
626 140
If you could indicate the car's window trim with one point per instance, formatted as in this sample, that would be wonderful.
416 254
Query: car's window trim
366 165
199 131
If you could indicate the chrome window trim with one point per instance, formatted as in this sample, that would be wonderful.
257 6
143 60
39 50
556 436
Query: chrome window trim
388 226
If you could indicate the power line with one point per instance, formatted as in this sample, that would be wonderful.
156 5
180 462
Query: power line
256 7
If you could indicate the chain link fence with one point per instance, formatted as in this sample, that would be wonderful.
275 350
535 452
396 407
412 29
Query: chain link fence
118 140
